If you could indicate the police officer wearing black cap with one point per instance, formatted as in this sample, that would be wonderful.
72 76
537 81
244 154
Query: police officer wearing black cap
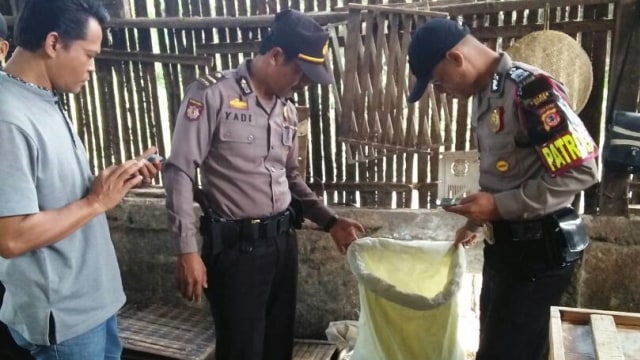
240 130
535 156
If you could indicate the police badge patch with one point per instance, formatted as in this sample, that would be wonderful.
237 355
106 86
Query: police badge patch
555 130
194 109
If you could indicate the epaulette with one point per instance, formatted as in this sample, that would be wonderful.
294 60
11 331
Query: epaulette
520 75
208 80
244 85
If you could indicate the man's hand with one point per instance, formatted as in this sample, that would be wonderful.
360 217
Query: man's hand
479 208
191 276
109 187
466 237
149 170
344 232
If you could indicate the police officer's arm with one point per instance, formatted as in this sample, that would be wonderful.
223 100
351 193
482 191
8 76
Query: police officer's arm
343 230
23 226
313 207
536 197
563 146
191 143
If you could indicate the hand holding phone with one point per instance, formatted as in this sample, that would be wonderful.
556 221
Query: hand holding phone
444 202
154 157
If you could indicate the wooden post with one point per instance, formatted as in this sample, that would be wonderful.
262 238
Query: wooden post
615 185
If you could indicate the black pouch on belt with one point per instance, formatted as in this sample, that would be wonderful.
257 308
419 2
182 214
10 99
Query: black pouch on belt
567 232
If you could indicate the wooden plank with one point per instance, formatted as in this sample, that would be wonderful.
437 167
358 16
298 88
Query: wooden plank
614 184
605 338
362 186
350 78
169 22
596 45
556 339
519 31
398 10
246 46
486 7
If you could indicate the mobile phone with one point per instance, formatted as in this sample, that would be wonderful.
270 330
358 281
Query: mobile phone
154 157
447 202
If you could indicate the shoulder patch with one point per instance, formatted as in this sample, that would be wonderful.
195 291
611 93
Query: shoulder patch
555 130
193 110
243 84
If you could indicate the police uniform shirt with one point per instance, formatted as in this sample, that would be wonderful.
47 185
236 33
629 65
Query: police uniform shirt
510 167
247 153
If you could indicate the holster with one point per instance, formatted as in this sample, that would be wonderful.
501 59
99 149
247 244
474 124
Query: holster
296 209
565 230
210 226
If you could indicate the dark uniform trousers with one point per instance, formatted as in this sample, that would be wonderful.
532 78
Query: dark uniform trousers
9 350
518 288
252 294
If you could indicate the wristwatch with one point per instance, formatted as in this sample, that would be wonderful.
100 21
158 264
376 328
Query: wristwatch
332 221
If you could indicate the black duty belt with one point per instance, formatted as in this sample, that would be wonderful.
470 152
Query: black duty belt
525 230
265 227
249 229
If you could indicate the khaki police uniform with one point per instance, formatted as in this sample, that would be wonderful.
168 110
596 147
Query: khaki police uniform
531 180
247 153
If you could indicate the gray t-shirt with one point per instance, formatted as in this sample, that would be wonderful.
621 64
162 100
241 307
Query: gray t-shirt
44 166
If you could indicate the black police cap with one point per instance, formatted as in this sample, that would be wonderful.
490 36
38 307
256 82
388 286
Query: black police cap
429 45
303 39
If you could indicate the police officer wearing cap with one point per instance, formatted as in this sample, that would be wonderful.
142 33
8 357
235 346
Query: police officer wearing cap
240 130
535 156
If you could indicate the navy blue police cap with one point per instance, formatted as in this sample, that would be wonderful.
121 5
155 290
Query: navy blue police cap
4 31
303 39
429 45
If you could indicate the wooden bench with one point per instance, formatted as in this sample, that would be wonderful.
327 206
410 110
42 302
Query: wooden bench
593 334
166 332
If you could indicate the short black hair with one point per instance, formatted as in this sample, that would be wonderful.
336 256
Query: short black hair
69 18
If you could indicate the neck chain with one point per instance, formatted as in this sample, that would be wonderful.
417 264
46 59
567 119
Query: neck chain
30 84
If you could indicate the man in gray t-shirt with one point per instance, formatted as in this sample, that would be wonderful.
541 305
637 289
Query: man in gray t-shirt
57 262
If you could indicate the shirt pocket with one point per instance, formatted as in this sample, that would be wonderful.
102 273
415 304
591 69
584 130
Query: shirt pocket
242 141
236 133
288 134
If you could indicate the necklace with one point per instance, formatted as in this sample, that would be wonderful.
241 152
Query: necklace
29 84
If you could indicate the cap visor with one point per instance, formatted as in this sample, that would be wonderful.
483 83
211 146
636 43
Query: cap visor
318 73
418 90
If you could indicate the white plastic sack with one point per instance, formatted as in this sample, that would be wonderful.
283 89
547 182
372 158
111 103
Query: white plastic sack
408 299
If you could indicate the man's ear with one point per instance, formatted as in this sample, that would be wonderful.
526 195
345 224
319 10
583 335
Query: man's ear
456 57
4 49
276 55
52 44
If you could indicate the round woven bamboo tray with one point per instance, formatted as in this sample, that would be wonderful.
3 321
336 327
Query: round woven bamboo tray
562 57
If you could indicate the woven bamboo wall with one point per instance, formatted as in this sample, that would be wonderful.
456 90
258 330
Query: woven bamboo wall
149 59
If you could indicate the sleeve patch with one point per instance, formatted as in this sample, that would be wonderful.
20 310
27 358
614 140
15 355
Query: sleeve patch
566 151
556 131
193 110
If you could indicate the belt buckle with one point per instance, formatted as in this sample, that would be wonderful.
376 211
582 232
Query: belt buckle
487 230
255 221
